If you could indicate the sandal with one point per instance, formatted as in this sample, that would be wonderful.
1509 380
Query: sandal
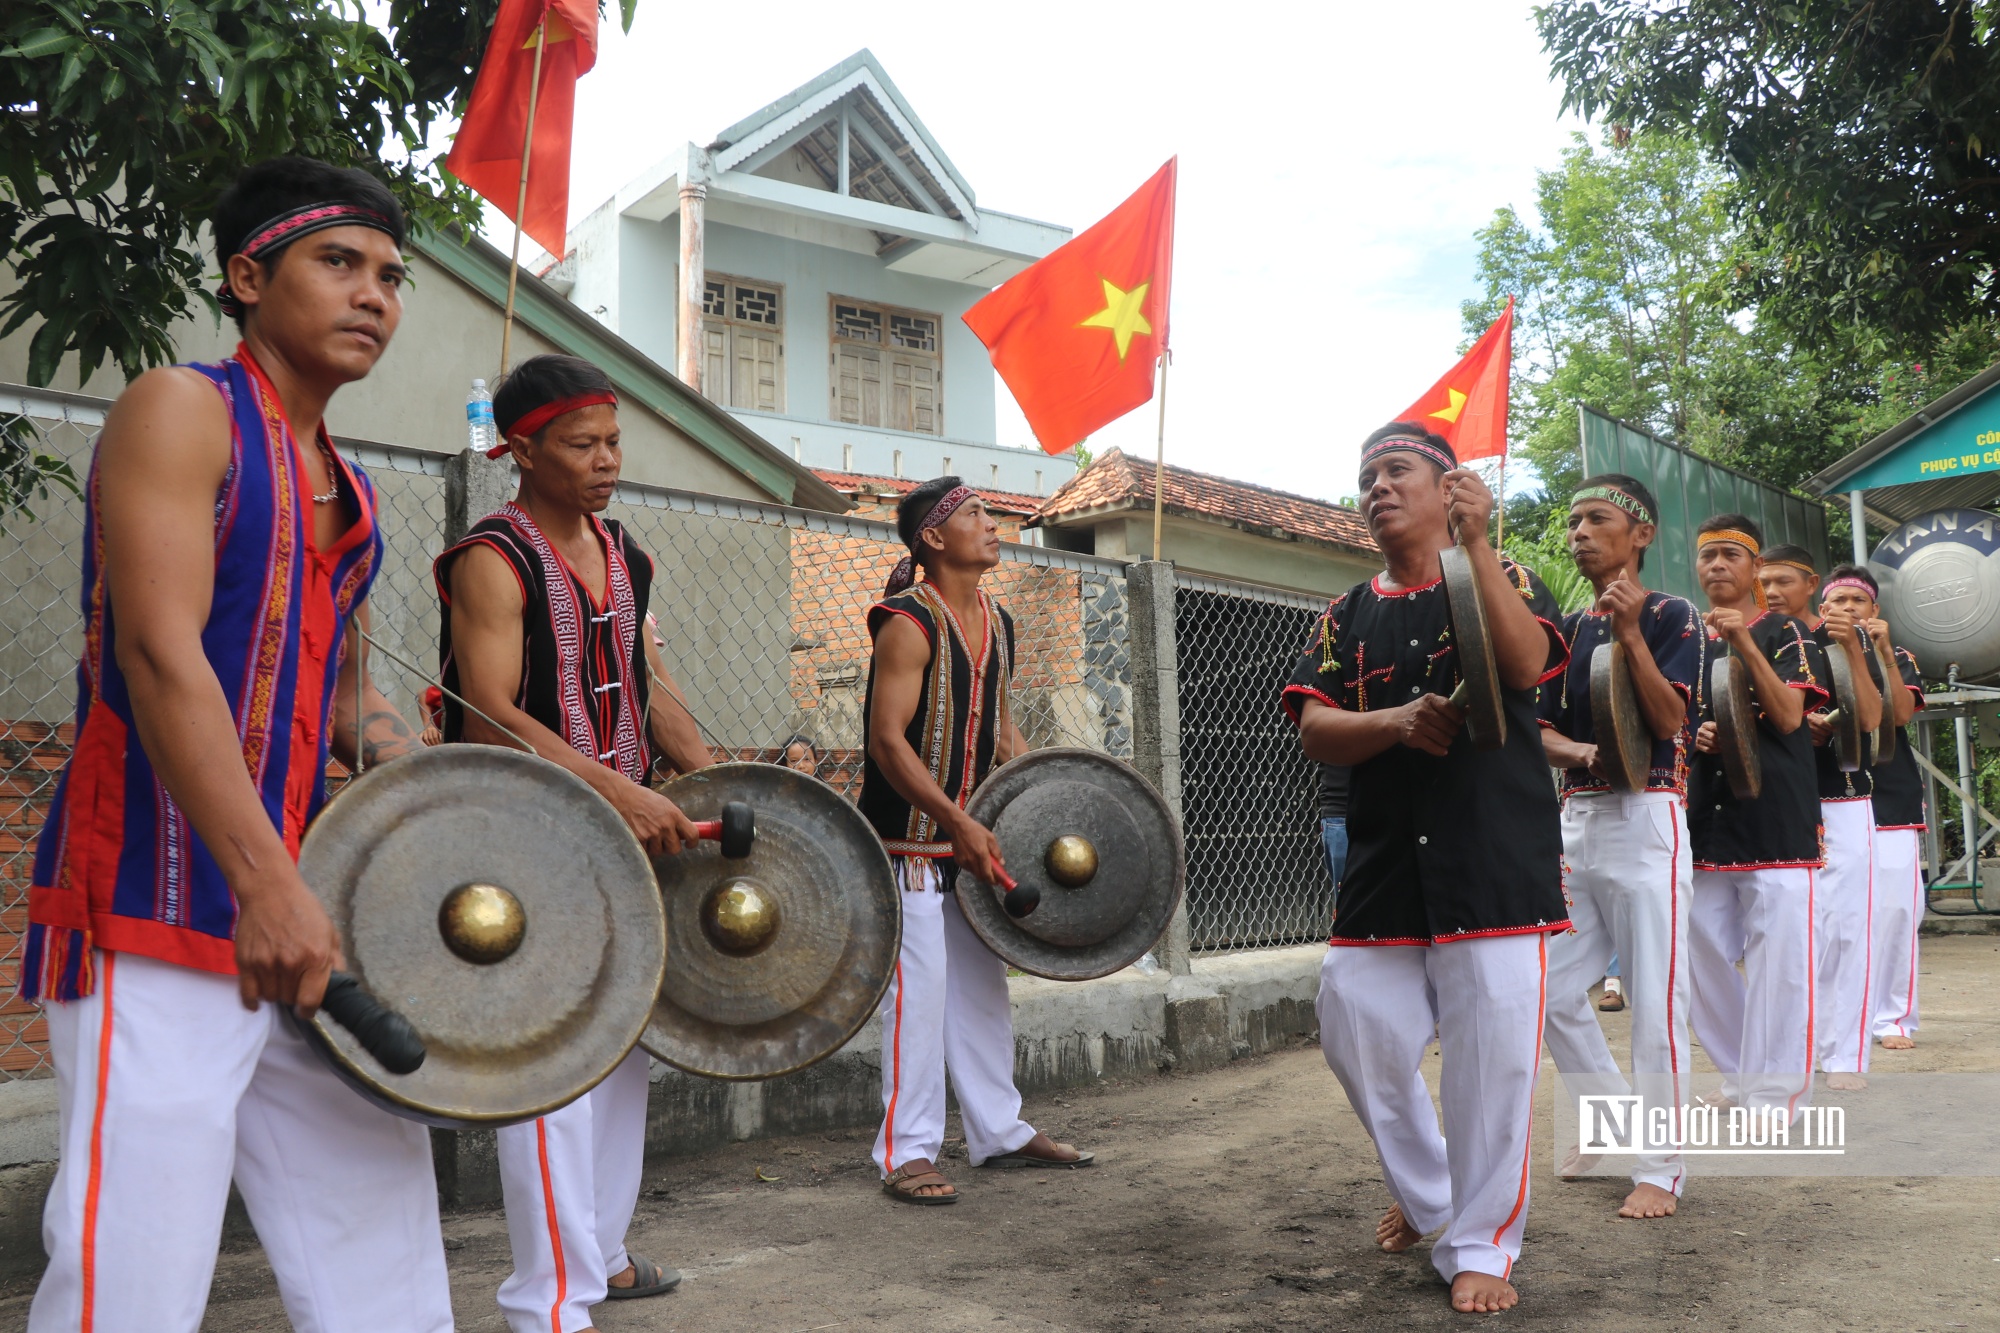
1020 1157
648 1279
903 1183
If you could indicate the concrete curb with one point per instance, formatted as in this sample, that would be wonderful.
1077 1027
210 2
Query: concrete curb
1129 1024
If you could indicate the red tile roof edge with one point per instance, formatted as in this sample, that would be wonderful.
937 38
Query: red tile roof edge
1116 481
850 483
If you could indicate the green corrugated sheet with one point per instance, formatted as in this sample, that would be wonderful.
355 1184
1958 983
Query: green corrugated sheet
1690 489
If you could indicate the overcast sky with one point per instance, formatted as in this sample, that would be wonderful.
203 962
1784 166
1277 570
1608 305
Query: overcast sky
1335 162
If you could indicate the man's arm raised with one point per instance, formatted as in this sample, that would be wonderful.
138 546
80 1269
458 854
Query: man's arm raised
902 654
161 460
486 635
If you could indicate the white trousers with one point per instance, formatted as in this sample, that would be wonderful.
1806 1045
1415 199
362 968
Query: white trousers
570 1181
1758 1026
1627 871
946 1010
1378 1006
1899 911
167 1087
1844 897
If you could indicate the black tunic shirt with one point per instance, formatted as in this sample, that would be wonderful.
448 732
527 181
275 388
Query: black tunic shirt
583 663
1448 847
1782 826
959 714
1834 783
1673 631
1899 787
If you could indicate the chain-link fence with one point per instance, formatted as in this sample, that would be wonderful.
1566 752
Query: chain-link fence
1249 797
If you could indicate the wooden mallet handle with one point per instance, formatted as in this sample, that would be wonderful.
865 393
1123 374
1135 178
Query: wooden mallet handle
382 1032
736 830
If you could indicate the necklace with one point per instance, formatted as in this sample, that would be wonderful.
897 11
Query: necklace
332 473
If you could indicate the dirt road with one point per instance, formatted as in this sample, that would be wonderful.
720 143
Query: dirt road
1244 1199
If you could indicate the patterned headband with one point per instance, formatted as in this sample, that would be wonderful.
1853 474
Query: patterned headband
1799 565
1444 457
1742 539
905 572
287 227
1625 500
530 422
1859 585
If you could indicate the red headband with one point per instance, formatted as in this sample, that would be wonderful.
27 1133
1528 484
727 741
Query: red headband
530 422
1849 582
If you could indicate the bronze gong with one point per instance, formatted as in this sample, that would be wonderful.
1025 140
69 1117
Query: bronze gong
1101 847
500 905
1624 741
1736 726
1479 673
1849 741
777 958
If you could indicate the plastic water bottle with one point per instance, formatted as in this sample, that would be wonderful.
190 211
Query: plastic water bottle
480 434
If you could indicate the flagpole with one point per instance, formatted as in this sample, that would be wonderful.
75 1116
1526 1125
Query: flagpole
1160 455
1500 537
521 200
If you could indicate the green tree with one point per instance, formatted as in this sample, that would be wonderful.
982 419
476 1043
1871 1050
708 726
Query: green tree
1863 137
1627 302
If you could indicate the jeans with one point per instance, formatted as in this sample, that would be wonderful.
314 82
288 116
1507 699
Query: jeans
1333 833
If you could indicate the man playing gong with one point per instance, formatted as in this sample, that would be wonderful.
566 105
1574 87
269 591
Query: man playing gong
225 547
545 609
936 721
1844 895
1756 860
1627 857
1453 881
1897 899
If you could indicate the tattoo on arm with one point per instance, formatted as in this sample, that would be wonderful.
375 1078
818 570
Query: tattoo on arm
385 735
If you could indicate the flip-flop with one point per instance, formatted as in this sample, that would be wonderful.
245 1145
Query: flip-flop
1017 1158
648 1279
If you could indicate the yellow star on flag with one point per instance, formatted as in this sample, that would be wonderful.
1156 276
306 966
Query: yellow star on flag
1457 405
1121 314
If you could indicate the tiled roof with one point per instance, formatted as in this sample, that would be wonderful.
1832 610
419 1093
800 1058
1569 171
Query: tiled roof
1114 482
856 483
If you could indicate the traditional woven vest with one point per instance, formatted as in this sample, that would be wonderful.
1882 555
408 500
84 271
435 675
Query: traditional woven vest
119 867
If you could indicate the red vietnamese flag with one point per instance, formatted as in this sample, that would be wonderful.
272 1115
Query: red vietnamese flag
1076 336
1469 405
486 154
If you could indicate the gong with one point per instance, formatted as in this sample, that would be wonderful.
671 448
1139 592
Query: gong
501 907
775 959
1479 673
1624 741
1100 846
1736 726
1891 680
1849 742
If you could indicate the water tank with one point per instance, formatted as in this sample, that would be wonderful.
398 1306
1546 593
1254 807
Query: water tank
1940 577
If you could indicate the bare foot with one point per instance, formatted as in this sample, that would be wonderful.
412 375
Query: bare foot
1648 1201
1482 1293
1898 1043
1394 1232
1576 1166
1846 1082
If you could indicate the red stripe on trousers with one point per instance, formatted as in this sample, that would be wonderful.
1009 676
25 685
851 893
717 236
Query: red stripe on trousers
555 1231
95 1183
1528 1152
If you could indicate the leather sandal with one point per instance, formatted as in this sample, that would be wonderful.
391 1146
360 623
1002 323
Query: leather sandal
903 1183
648 1279
1020 1157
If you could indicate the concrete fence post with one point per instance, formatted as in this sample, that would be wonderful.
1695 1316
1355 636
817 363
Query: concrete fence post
1156 709
473 488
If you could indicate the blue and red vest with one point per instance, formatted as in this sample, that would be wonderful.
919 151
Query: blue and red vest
118 866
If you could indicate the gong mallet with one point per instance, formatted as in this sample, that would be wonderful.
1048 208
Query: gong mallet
736 830
382 1032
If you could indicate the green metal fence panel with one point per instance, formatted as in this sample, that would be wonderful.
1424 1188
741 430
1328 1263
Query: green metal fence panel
1691 488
